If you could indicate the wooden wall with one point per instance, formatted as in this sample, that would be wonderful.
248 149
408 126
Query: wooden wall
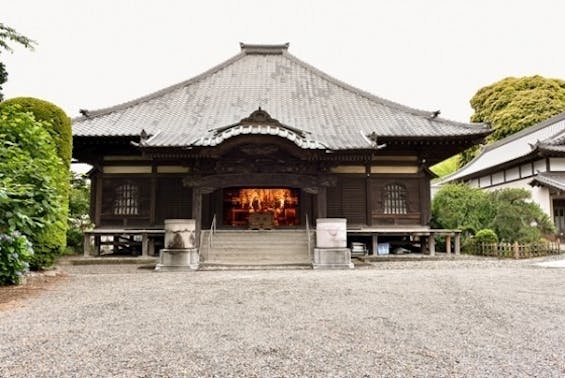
159 197
358 197
361 199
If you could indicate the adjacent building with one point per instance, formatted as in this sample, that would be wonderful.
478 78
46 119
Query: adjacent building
532 159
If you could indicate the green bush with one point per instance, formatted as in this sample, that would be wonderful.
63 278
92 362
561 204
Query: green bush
509 213
458 206
58 123
519 219
15 254
79 220
487 236
31 174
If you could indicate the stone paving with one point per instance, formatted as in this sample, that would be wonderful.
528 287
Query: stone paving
465 317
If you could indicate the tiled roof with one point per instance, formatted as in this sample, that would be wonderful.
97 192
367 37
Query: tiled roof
552 180
265 126
547 135
334 114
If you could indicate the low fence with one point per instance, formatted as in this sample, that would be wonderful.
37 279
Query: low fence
516 250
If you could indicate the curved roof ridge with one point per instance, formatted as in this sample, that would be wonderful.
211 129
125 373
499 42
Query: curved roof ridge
160 92
360 92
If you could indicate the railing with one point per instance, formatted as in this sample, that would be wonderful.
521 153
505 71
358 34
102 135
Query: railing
516 250
212 231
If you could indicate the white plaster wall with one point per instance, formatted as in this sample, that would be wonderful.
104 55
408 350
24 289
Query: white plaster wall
540 166
557 164
539 195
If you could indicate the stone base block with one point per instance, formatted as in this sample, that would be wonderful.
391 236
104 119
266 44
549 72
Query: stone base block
332 258
174 260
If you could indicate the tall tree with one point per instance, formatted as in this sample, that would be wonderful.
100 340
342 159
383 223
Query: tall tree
512 104
9 35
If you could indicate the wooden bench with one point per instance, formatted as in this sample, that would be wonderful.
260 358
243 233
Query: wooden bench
121 237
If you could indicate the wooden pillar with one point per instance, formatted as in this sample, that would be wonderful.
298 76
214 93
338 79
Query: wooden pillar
87 242
448 244
197 213
322 202
457 243
144 244
516 248
98 205
432 244
153 196
375 244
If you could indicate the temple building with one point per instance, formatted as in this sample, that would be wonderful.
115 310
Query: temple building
264 141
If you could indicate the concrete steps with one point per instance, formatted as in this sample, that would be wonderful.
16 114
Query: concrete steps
255 248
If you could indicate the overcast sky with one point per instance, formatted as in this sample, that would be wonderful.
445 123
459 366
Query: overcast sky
431 55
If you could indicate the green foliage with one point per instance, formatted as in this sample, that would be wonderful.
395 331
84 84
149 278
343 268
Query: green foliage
508 212
446 167
3 78
15 254
458 206
58 123
512 104
517 218
79 220
486 235
8 34
31 173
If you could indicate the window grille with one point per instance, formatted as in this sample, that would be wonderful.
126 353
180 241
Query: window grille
126 200
395 199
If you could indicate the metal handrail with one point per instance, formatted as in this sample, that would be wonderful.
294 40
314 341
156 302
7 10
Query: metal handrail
212 231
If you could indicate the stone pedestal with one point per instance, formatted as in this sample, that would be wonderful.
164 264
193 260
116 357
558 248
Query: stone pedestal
332 258
331 242
174 260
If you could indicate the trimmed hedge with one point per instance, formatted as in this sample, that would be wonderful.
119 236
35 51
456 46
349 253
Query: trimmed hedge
33 184
59 124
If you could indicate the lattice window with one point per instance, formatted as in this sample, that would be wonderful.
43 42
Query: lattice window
395 199
126 199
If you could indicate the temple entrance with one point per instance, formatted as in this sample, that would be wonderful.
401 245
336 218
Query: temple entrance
261 208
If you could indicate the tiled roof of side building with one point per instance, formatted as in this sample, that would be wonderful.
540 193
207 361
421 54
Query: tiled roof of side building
552 180
548 134
298 95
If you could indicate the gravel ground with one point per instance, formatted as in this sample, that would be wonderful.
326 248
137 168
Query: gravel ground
468 317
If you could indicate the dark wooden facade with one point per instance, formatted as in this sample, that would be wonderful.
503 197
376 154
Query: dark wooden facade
367 188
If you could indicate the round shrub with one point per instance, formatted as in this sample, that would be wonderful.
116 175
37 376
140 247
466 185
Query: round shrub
58 123
486 236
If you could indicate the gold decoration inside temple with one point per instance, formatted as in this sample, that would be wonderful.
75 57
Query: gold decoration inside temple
278 206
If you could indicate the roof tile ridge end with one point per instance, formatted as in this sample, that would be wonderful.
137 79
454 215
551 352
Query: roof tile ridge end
160 92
